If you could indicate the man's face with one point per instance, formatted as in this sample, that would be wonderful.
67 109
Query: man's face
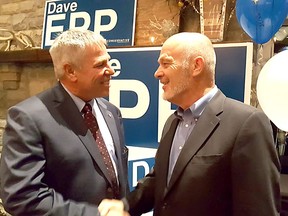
94 73
173 74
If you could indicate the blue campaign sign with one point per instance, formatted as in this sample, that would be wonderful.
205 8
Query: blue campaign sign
137 169
138 94
134 90
234 70
114 20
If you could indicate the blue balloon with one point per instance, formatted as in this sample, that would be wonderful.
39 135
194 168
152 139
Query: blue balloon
261 19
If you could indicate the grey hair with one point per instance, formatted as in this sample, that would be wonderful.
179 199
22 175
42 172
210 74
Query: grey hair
70 45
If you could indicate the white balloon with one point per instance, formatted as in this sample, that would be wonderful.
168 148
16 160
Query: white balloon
272 89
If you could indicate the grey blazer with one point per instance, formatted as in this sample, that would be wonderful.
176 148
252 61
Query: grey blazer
50 163
227 167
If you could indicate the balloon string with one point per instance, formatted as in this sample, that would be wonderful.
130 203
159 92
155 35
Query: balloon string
260 59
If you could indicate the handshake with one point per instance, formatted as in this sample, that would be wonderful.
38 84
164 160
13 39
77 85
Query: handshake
112 207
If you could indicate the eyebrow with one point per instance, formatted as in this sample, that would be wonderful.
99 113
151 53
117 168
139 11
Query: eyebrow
165 57
103 58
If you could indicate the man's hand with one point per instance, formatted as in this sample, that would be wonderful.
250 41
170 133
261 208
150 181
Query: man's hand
112 207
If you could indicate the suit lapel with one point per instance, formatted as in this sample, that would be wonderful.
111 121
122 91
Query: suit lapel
163 152
110 121
74 120
203 129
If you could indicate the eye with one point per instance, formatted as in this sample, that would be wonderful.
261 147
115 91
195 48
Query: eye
166 64
99 65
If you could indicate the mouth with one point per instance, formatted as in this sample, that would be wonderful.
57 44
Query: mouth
106 83
164 85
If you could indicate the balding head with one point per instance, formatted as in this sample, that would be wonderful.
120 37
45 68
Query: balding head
192 44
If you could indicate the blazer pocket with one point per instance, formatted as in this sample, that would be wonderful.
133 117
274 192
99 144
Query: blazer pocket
206 159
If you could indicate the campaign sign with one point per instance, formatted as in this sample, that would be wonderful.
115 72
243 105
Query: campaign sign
114 20
141 161
138 95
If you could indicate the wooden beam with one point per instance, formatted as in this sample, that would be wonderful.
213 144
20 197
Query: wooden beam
26 56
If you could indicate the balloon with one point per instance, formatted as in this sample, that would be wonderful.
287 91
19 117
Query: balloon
261 19
272 89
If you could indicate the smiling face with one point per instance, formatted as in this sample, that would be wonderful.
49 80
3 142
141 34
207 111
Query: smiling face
90 78
186 68
174 73
94 74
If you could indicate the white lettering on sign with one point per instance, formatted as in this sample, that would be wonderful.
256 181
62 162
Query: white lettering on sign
51 28
136 165
136 86
143 98
80 15
98 27
57 12
116 65
61 8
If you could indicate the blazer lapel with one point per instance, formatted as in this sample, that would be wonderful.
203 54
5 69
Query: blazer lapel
74 120
163 153
110 121
205 126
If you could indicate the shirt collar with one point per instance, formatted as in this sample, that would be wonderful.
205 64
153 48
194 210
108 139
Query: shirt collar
78 101
198 107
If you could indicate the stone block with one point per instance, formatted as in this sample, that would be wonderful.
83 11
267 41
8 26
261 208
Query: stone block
18 19
26 6
38 86
2 123
10 8
5 20
12 76
10 85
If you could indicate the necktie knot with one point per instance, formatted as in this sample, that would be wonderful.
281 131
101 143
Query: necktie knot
90 119
87 108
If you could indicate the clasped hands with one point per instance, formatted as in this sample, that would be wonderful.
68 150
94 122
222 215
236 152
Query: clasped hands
112 207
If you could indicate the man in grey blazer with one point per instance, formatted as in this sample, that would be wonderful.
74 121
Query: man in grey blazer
50 163
216 155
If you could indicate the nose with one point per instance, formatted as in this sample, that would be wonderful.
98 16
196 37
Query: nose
109 71
158 73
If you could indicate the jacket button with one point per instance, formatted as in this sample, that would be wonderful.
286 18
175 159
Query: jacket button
109 189
164 206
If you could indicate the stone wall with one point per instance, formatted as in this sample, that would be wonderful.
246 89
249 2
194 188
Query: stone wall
18 82
23 16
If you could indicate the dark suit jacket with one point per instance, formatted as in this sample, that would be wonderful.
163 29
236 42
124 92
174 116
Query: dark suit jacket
50 162
228 167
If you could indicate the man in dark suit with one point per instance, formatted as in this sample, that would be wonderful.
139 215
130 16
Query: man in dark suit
50 163
216 155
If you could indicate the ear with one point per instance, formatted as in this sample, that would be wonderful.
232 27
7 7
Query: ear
198 66
69 72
